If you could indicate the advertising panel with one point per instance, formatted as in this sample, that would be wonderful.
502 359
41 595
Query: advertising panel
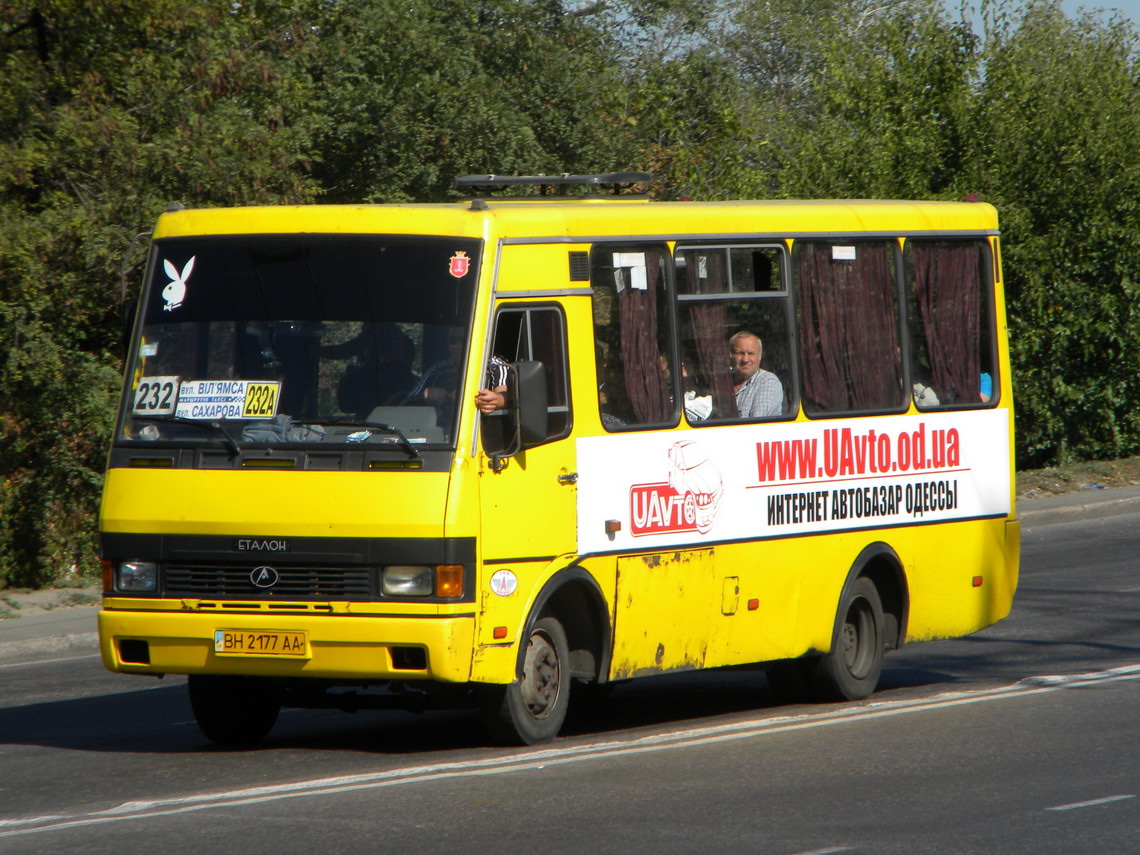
690 488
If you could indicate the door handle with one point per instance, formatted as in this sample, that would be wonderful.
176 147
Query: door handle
571 478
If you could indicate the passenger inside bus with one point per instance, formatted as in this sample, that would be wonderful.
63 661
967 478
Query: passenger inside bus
380 368
759 393
493 396
437 386
609 391
698 407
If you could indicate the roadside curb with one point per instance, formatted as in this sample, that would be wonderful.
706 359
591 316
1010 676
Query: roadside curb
1075 506
47 623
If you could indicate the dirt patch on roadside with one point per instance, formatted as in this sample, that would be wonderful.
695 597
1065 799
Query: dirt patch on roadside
19 602
1099 474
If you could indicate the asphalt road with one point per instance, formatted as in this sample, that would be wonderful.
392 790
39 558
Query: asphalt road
1022 738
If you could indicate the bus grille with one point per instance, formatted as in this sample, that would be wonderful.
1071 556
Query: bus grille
219 580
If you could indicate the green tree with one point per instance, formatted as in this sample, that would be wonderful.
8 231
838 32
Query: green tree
886 106
111 109
414 94
1056 146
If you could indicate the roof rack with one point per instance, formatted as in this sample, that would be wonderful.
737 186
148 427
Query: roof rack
615 180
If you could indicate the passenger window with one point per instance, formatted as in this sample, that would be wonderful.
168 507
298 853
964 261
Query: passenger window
848 320
951 323
735 344
631 331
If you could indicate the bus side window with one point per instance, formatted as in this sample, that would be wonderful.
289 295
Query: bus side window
951 320
848 320
734 298
631 333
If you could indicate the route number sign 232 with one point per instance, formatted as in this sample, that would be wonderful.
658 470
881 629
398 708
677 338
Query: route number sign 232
206 399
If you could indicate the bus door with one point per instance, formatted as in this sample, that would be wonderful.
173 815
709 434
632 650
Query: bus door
528 500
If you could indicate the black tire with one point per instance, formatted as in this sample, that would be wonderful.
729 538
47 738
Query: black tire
850 672
531 710
234 711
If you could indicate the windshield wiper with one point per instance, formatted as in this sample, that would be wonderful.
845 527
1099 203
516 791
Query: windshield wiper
216 427
362 423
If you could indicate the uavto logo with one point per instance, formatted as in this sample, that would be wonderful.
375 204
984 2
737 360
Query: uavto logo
688 501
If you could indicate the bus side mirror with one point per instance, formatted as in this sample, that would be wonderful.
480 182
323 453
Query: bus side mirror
526 411
529 403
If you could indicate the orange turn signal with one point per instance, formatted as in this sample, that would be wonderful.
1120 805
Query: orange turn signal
449 580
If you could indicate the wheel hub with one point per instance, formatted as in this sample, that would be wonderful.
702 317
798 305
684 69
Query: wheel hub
540 677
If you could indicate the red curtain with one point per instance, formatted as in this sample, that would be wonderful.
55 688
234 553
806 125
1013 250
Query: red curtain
645 385
849 349
947 285
709 322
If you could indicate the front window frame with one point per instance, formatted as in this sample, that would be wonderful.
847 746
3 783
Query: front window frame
380 297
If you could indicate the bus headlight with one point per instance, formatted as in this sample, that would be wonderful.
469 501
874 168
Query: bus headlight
407 580
137 576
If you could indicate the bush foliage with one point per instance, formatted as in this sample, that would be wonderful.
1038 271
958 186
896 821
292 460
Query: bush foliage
113 108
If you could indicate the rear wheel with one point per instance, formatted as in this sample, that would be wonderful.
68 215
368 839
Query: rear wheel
531 710
234 710
850 672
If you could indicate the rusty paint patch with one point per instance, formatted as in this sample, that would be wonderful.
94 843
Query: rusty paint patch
627 671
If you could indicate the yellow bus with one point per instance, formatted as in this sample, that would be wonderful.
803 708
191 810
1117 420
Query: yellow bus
774 434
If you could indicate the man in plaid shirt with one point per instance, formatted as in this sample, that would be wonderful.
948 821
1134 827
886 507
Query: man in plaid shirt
759 393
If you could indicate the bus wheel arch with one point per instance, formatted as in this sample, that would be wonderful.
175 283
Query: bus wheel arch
566 637
574 598
881 564
870 619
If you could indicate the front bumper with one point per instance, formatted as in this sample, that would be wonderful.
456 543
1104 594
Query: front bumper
362 647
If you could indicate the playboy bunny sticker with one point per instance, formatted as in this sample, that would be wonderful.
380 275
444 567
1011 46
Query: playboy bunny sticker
175 291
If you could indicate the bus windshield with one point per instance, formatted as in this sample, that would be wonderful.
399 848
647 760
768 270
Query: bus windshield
302 339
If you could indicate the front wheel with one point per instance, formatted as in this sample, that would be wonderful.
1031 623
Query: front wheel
850 672
232 710
531 710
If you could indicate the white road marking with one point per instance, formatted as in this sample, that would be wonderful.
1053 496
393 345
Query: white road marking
537 759
1094 803
49 661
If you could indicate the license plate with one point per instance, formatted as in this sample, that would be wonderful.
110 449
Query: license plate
248 642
